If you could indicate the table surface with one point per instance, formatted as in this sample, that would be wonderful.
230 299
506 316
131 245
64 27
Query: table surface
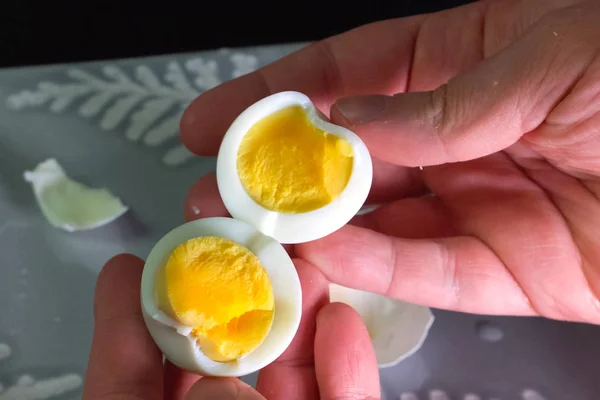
130 145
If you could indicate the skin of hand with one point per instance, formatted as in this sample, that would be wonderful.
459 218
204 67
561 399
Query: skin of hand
499 102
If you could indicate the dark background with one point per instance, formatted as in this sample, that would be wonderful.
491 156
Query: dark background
42 32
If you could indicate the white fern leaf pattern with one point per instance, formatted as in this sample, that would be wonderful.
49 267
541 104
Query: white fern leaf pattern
243 64
162 132
114 72
207 72
118 111
176 77
94 104
151 111
177 155
63 96
145 75
141 103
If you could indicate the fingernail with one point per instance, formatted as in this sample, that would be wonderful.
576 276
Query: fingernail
362 109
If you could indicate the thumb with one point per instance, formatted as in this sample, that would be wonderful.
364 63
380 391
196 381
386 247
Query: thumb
222 389
478 112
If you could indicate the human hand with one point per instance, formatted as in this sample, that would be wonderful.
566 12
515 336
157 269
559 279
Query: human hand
500 102
331 356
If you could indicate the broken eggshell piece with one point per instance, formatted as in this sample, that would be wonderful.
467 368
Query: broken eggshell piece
177 341
397 328
68 204
303 224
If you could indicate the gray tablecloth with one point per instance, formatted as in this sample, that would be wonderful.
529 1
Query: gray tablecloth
114 124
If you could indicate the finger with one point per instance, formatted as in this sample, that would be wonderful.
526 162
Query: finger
324 71
177 382
222 388
292 375
478 112
458 273
124 361
345 361
412 218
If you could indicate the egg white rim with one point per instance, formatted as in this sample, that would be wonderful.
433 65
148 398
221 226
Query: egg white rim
291 228
284 281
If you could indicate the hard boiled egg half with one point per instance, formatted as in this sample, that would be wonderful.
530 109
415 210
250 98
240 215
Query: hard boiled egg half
290 173
221 296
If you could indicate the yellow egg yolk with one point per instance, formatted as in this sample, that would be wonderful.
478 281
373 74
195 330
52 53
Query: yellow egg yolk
286 164
220 289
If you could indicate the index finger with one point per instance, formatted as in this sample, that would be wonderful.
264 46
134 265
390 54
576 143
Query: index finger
374 58
458 273
124 361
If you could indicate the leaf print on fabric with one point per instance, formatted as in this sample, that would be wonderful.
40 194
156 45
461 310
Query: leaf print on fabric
145 105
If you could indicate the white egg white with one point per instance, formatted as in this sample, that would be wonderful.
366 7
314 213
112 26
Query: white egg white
175 340
287 227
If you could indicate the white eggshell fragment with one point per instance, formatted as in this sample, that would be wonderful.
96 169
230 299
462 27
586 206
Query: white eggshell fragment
397 328
175 340
68 204
288 227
